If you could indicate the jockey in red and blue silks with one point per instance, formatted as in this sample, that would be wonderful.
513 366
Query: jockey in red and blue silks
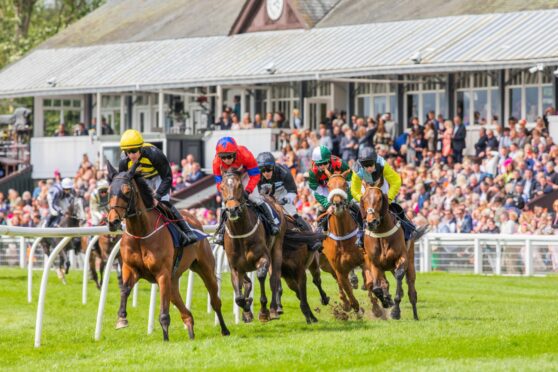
231 155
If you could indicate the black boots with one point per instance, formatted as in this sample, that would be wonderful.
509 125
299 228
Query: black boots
264 208
184 228
355 212
304 226
219 237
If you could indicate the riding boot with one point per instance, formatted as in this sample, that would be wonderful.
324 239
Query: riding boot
355 212
219 237
184 228
270 219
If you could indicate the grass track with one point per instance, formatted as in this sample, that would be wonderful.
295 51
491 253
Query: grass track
467 323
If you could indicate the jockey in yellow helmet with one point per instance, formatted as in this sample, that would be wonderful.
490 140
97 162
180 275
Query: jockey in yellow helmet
155 168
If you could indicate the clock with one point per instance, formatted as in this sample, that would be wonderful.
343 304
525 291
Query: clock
274 9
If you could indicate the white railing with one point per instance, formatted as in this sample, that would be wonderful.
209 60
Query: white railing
498 254
95 232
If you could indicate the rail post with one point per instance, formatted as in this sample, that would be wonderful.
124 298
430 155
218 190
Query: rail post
477 260
22 252
151 316
104 290
30 269
528 257
86 268
42 293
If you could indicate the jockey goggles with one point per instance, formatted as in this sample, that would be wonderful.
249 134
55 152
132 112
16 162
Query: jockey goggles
131 151
266 168
322 163
226 156
367 163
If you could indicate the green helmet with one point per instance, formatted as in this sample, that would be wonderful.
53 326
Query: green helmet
321 155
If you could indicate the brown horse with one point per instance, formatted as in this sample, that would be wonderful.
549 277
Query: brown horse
249 248
101 250
386 250
148 252
339 247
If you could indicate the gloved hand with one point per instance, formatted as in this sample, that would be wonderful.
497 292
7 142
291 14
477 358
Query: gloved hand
53 212
283 201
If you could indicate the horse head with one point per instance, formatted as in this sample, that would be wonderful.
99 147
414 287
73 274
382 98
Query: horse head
337 187
374 203
123 195
232 192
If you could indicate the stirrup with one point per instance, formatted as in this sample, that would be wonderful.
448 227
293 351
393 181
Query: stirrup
418 233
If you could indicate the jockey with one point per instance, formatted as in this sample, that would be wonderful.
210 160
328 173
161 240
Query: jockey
231 155
279 180
317 181
155 168
99 202
59 196
369 168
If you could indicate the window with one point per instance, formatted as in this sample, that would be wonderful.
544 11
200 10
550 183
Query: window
529 94
58 110
425 96
477 97
373 99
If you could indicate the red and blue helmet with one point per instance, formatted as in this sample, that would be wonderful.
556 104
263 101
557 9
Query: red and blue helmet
226 145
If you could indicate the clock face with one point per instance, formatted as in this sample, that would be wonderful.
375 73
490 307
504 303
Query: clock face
274 9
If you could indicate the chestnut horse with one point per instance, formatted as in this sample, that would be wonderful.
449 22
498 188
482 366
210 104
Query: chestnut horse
148 252
339 247
386 250
249 248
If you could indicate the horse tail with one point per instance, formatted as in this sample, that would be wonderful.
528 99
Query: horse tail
294 239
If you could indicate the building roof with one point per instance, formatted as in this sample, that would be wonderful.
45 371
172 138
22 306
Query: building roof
470 42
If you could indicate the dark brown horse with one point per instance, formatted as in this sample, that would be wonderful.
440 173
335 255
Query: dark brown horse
386 250
101 251
148 251
249 248
297 257
339 247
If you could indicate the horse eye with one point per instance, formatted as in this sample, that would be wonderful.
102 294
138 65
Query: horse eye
125 188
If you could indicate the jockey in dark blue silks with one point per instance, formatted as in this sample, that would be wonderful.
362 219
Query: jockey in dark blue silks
59 197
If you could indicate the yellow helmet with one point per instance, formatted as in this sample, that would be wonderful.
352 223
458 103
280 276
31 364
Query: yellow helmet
131 139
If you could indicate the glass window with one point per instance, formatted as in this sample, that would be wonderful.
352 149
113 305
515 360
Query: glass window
480 106
547 97
412 105
67 103
515 102
531 103
56 103
392 106
464 106
363 106
76 103
428 104
380 105
496 105
47 102
443 104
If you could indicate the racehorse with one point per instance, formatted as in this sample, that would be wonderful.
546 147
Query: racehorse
74 216
297 257
148 252
339 247
386 250
102 250
249 248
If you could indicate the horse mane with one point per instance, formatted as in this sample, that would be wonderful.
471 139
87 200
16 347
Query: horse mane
144 191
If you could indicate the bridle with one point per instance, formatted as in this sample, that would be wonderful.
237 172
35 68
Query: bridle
130 209
344 201
372 210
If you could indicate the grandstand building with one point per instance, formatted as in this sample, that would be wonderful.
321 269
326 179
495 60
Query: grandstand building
168 67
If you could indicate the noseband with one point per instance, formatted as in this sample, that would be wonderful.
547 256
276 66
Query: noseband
371 210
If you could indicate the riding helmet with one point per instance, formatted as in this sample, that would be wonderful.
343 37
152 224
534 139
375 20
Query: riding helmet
226 145
265 158
321 155
131 139
367 156
67 183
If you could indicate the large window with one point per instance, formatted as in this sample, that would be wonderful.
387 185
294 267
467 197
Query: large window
373 99
284 98
425 95
477 97
529 94
58 111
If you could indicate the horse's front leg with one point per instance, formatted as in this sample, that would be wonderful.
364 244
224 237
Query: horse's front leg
165 290
275 278
262 269
396 311
345 284
129 279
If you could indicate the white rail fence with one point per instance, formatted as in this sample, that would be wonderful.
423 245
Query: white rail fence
67 234
478 253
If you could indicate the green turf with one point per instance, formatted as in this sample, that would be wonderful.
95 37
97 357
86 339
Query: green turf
467 322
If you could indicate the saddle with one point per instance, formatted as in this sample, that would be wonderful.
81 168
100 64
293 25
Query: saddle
262 216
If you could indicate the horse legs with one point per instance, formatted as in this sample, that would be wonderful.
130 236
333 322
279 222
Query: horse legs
177 301
411 276
239 297
93 268
207 273
345 285
279 304
396 311
314 269
298 286
129 277
275 279
262 269
378 285
165 290
353 279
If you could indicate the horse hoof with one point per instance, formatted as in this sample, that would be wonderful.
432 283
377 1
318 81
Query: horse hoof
273 314
121 323
325 301
240 302
280 310
247 317
395 314
313 319
264 316
377 311
190 332
225 332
